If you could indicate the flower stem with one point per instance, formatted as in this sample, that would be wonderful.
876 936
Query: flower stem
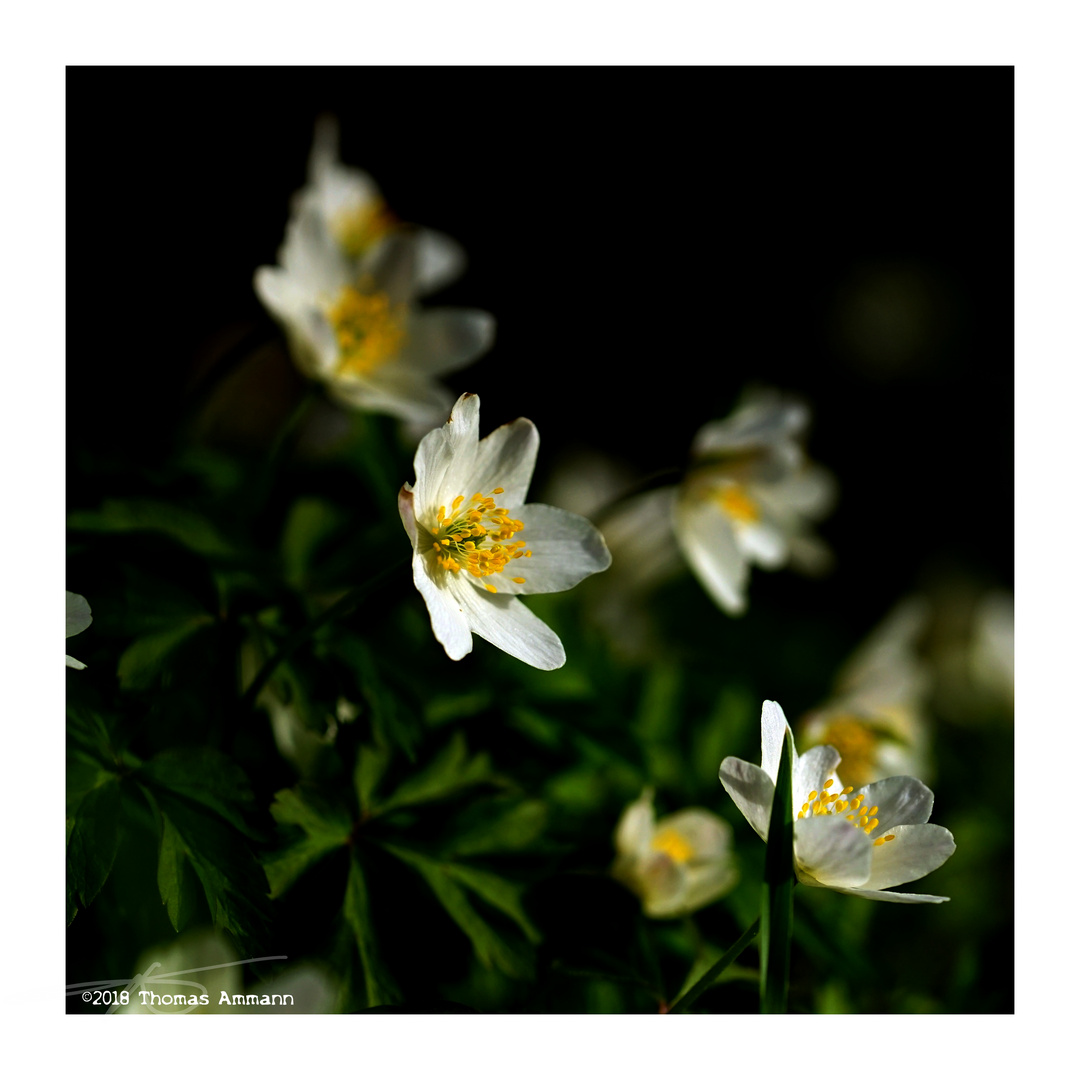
776 891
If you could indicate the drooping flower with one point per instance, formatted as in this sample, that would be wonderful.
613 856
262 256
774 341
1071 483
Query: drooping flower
477 545
749 497
349 312
861 840
78 619
675 865
876 719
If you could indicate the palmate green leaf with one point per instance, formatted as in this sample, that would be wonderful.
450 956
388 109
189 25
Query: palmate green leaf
232 880
491 948
371 765
379 986
93 837
187 527
451 771
325 828
497 825
176 881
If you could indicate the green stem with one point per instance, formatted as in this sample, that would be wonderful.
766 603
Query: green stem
339 608
776 890
681 1004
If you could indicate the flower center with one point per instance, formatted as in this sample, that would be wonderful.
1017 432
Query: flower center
674 845
474 537
356 228
367 328
857 744
736 503
819 803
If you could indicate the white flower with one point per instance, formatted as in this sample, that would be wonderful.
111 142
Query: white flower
78 619
349 313
876 720
860 841
675 865
748 498
476 545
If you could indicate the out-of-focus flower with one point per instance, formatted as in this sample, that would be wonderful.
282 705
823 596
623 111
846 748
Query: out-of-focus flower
993 646
859 841
749 498
357 216
78 619
876 719
675 865
472 556
349 312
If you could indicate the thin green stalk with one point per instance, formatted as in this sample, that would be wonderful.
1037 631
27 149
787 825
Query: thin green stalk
776 891
682 1003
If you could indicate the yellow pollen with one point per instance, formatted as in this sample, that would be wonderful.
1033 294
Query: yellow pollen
820 803
674 845
357 228
478 537
881 839
734 501
367 328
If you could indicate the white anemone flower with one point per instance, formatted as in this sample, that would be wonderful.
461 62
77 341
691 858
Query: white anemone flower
477 545
876 720
675 865
353 324
749 497
860 841
78 619
357 216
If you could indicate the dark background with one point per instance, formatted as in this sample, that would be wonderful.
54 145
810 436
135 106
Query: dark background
649 240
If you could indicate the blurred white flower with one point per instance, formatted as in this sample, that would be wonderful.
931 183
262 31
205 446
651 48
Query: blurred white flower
859 841
463 540
748 498
78 619
348 307
876 719
675 865
993 646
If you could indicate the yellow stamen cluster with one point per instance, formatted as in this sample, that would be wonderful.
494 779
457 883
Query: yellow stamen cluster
823 802
856 741
674 845
358 227
477 536
736 503
367 328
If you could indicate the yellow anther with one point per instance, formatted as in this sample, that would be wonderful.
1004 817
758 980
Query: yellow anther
812 796
498 491
828 783
519 580
882 839
490 587
674 845
457 502
735 502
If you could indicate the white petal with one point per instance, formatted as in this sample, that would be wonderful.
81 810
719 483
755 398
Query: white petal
832 851
636 827
901 800
916 851
407 511
895 897
759 423
451 446
762 542
392 264
505 459
312 258
565 549
707 540
70 661
752 790
774 725
509 625
78 614
708 882
440 261
446 339
811 772
449 621
707 834
396 391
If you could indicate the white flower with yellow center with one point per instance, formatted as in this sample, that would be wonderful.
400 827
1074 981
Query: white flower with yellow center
876 719
859 840
78 619
675 865
352 323
748 498
477 545
357 216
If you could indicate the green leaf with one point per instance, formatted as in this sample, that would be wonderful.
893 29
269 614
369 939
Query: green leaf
175 880
493 827
93 837
142 661
310 523
776 890
205 776
450 772
491 949
187 527
697 988
326 828
371 766
380 987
